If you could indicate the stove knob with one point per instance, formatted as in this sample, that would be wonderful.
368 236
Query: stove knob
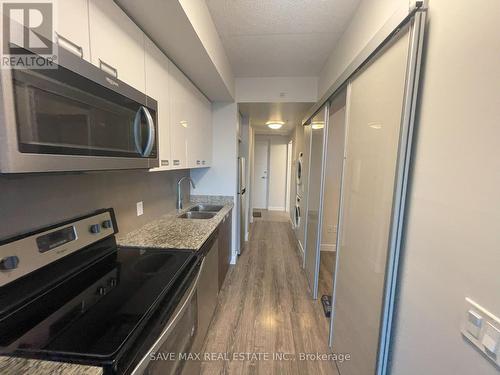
9 263
101 290
112 282
95 228
107 224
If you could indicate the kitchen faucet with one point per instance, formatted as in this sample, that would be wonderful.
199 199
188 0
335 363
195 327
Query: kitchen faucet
179 191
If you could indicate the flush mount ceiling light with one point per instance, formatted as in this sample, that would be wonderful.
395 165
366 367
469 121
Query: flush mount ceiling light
275 125
318 125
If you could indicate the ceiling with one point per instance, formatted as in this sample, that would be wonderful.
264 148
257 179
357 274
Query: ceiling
273 38
260 113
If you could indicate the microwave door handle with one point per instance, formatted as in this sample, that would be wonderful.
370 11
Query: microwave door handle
137 132
151 133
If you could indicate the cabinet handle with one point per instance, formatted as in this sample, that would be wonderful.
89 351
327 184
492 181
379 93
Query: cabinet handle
177 162
108 68
69 45
165 163
203 162
198 162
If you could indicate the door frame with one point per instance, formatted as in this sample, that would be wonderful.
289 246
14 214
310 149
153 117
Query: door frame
267 142
289 157
319 227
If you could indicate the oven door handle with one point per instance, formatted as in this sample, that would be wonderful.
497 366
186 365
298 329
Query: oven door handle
151 132
178 313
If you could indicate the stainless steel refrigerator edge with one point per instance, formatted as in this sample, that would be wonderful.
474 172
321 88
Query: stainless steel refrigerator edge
241 202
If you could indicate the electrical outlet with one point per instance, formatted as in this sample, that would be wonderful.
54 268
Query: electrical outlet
140 209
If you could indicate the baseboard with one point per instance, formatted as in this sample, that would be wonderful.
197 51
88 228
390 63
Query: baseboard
326 247
234 257
247 235
276 208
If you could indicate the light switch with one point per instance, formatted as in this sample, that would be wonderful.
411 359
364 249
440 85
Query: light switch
474 323
491 339
482 329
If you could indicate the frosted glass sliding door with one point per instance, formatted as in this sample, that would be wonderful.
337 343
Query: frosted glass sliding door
318 128
374 116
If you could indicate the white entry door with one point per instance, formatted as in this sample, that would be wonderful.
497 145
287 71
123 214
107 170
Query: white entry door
261 173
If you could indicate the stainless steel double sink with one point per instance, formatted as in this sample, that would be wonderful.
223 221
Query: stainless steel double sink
201 212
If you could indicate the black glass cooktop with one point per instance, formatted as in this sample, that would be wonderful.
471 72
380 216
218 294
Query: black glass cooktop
91 314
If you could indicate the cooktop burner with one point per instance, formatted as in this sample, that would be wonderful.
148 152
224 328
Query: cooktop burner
91 305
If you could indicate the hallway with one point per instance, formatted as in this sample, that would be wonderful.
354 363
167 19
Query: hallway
264 307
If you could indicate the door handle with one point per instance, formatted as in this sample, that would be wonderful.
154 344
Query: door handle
69 45
137 132
151 133
108 68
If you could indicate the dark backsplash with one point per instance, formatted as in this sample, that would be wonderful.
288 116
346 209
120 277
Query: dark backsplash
32 201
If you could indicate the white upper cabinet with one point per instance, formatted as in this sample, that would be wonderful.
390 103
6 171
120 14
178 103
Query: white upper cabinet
157 87
200 131
180 116
191 123
72 27
206 111
100 32
117 43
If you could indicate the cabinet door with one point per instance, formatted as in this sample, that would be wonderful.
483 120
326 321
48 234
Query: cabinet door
224 247
117 43
208 290
157 87
207 133
72 27
200 131
180 121
196 136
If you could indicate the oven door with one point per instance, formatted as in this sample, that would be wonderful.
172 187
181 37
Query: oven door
166 356
58 120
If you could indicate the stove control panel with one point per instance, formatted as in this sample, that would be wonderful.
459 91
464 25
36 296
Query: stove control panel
25 254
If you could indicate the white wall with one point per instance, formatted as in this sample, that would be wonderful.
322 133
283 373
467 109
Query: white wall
453 238
251 172
270 89
277 170
221 178
203 24
370 16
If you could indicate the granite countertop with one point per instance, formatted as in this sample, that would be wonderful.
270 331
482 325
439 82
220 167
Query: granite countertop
170 232
167 232
20 366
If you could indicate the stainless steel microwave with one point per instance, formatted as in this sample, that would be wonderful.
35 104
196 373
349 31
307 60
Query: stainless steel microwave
74 118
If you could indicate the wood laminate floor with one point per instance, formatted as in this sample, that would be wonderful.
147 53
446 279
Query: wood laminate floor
326 268
265 307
